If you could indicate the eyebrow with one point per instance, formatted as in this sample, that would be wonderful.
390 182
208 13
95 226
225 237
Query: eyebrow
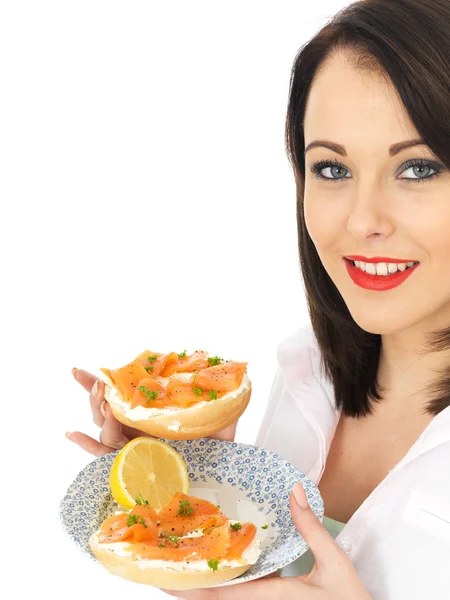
339 149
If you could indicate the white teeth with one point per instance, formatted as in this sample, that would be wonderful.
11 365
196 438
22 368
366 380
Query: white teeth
392 267
382 269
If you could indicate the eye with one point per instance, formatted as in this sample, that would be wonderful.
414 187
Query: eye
330 170
420 170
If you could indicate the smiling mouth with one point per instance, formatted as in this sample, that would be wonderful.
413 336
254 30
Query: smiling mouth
382 269
379 274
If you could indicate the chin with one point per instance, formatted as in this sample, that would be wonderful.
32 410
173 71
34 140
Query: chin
380 320
376 327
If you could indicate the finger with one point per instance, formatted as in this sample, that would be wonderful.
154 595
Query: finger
326 551
227 434
272 575
87 443
111 434
96 399
96 392
131 433
84 378
275 589
191 594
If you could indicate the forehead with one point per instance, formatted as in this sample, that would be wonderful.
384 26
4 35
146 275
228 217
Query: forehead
347 103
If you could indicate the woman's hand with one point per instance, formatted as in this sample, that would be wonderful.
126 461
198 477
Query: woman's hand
333 577
113 434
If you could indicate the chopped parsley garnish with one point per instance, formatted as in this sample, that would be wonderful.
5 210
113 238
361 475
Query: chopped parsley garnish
173 539
213 564
212 394
185 508
150 395
152 358
135 520
208 531
264 527
132 520
197 391
140 500
182 354
214 360
148 369
236 526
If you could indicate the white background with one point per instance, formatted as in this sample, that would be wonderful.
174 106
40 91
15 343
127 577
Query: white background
147 202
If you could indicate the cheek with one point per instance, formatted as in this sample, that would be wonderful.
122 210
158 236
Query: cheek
429 230
324 221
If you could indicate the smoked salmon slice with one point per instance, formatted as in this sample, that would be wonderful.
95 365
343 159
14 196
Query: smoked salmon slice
216 543
240 540
185 514
195 362
149 393
187 528
186 394
109 374
211 379
154 362
127 378
225 377
138 525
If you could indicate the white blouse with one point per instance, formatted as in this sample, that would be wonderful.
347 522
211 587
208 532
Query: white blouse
399 538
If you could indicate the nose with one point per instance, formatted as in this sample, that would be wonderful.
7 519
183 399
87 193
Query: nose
369 214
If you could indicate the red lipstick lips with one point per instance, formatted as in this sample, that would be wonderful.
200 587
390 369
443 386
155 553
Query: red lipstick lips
378 283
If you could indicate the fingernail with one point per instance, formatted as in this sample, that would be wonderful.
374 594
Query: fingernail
95 389
103 409
74 371
300 496
68 434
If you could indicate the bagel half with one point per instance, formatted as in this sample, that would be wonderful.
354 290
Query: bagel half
201 420
160 576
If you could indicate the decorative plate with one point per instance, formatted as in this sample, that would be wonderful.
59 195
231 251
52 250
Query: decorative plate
248 482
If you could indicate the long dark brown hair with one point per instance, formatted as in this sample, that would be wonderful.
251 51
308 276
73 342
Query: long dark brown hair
409 42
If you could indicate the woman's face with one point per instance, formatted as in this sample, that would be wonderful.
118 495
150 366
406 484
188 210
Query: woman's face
374 201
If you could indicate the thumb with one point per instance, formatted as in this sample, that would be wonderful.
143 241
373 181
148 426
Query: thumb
322 545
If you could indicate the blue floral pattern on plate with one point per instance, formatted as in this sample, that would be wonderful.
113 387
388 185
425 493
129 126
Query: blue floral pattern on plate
260 479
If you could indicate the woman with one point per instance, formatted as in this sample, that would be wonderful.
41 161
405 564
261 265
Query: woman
361 401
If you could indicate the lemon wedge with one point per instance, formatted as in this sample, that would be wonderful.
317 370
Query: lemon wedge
150 470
